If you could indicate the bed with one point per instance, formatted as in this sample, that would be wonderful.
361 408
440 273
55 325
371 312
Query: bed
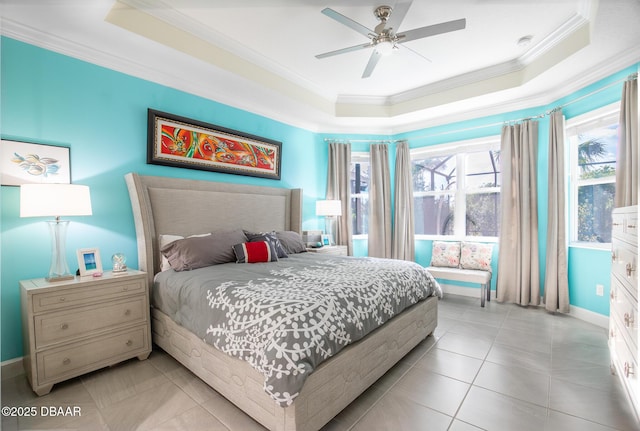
163 205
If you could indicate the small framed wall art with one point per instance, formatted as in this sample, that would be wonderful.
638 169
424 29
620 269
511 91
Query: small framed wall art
185 143
27 163
89 262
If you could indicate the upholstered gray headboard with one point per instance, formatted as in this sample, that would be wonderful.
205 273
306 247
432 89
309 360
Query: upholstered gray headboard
176 206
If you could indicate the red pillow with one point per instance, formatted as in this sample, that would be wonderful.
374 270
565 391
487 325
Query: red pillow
253 252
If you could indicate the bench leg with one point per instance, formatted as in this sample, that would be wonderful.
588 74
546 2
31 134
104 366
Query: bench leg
489 292
483 287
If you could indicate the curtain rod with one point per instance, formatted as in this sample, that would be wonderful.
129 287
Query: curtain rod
344 141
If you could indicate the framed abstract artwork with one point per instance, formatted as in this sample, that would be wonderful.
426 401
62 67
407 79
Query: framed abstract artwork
185 143
27 163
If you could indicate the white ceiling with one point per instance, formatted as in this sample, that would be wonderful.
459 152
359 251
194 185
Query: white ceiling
259 55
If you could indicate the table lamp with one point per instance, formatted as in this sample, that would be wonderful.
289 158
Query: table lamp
57 200
329 209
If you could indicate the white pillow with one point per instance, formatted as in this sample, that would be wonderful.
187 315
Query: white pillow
445 254
476 255
168 239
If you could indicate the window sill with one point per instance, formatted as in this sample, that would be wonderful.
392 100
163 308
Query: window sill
604 246
488 239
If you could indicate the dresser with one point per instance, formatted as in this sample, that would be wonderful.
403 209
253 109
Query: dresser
623 320
72 327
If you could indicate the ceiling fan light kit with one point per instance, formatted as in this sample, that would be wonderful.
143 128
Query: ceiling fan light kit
384 38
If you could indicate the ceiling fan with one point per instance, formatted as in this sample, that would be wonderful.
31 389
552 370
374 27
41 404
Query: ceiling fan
384 38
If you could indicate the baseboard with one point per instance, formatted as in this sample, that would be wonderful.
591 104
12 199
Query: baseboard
589 316
11 368
577 312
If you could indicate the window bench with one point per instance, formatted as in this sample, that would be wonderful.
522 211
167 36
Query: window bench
467 275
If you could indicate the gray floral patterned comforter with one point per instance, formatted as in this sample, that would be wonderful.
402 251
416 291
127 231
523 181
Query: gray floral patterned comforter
286 317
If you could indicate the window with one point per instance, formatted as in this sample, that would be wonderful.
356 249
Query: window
456 189
593 140
360 193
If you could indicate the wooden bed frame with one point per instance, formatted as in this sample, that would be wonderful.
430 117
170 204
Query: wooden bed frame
163 205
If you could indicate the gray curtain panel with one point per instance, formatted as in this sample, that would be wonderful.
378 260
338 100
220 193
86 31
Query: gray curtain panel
338 187
379 202
519 273
556 283
403 246
627 160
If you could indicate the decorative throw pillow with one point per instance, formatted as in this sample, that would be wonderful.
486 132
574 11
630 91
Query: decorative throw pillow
291 242
475 255
271 238
197 252
253 252
445 253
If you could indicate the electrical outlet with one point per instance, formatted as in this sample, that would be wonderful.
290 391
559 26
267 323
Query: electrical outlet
599 290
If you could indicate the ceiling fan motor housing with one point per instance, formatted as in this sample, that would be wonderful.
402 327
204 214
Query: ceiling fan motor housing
383 12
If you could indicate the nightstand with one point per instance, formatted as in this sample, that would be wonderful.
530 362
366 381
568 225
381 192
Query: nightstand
72 327
338 250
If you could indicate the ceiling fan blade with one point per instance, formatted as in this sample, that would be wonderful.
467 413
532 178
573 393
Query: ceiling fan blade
432 30
373 61
344 50
347 21
397 16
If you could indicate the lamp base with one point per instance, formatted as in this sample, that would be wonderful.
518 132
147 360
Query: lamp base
59 270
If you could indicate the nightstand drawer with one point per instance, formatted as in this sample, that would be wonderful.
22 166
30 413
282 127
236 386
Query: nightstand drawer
84 295
69 325
59 364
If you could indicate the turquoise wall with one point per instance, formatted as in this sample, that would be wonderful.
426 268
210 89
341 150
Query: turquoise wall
101 115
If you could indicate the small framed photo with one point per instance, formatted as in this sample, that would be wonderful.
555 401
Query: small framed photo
89 262
327 240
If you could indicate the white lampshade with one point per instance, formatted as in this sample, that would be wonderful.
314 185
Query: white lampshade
57 200
329 208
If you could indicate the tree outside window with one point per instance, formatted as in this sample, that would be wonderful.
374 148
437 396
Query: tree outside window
594 150
457 191
360 193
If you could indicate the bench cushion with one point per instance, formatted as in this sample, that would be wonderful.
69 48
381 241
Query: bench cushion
467 275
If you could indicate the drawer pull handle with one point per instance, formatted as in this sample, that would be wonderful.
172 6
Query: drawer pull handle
613 256
628 369
127 312
617 224
631 226
61 299
630 269
64 326
66 361
628 320
129 343
612 333
125 288
612 295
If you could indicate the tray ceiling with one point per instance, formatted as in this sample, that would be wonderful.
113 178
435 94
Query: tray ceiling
259 55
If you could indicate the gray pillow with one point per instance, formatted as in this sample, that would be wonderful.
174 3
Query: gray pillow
197 252
291 241
269 237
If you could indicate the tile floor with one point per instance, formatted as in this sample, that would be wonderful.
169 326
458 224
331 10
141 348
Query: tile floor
502 367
